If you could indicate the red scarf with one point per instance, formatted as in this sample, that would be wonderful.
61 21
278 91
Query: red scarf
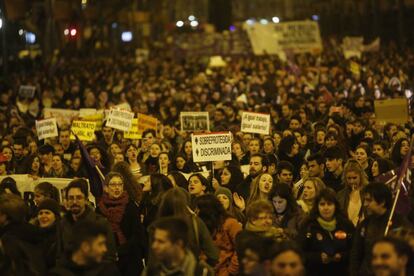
113 210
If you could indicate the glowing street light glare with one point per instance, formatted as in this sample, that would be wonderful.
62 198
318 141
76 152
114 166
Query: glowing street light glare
73 32
263 21
191 18
275 19
21 32
66 32
194 23
250 21
1 23
179 24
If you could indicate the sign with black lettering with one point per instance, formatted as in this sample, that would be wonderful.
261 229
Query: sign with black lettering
84 130
27 91
255 123
211 147
120 119
194 121
46 128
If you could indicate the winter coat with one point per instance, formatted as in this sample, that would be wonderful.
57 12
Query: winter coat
66 267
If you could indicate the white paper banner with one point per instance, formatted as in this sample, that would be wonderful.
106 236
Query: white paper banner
211 147
255 123
120 119
46 128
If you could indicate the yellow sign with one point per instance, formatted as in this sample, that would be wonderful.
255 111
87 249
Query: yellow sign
133 131
146 122
84 130
97 118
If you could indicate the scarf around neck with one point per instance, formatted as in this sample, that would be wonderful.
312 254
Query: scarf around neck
268 232
113 210
329 226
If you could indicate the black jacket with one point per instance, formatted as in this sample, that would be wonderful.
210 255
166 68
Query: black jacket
66 267
314 240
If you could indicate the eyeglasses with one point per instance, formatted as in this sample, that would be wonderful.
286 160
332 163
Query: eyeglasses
77 198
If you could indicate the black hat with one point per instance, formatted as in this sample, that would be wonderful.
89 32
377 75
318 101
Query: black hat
50 204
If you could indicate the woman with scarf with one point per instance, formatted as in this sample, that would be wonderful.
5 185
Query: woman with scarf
326 237
123 215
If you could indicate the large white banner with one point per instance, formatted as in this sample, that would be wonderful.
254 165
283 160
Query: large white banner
211 147
255 122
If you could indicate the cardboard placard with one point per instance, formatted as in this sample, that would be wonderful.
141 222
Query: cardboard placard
133 131
63 116
120 119
255 122
194 121
146 122
46 128
27 91
392 110
84 130
211 147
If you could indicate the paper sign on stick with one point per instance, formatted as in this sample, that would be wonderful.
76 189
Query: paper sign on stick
146 122
120 119
63 116
46 128
255 123
84 130
211 147
194 121
133 131
27 91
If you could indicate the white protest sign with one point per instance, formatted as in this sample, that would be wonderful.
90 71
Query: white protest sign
27 91
211 147
46 128
255 123
120 119
63 116
352 46
194 121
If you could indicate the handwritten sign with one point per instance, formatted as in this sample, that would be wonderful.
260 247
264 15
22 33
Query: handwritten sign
146 122
27 91
211 147
46 128
120 119
84 130
194 121
255 123
133 131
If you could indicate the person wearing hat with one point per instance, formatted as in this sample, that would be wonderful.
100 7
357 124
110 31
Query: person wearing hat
226 199
48 217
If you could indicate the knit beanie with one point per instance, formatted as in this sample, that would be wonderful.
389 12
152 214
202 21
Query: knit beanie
224 191
51 205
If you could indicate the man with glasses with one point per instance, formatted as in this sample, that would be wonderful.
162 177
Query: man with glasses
78 210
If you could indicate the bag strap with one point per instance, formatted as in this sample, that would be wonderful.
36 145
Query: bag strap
195 226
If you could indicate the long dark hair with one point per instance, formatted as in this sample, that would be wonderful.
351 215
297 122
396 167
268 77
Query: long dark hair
180 179
159 185
283 190
235 179
396 154
211 211
131 185
328 195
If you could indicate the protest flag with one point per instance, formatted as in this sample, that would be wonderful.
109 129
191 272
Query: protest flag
402 204
93 170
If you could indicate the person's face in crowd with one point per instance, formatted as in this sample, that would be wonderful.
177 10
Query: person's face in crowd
405 147
107 133
286 112
114 149
286 133
46 218
46 158
90 100
246 139
115 187
57 163
375 169
225 177
360 102
287 263
268 146
353 179
162 247
265 183
35 164
119 157
33 147
164 160
326 209
224 200
64 138
304 172
315 170
132 153
168 131
331 141
3 170
399 135
320 137
280 204
285 176
358 128
76 201
94 250
295 149
77 154
59 149
333 164
95 154
369 134
148 139
322 108
155 150
75 164
378 150
309 191
254 146
263 219
294 124
392 130
277 138
386 261
250 260
219 116
349 129
195 187
180 163
8 154
18 150
361 156
256 166
188 148
372 207
237 150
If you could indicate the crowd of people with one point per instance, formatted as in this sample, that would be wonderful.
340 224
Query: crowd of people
309 198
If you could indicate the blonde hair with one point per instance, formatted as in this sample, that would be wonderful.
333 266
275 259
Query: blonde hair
254 188
317 183
354 166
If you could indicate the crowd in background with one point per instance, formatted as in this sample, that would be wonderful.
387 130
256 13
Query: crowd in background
312 199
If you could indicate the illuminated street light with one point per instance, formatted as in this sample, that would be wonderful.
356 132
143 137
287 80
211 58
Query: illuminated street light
191 18
250 21
194 24
73 32
21 32
179 24
275 19
126 36
1 23
263 21
66 32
